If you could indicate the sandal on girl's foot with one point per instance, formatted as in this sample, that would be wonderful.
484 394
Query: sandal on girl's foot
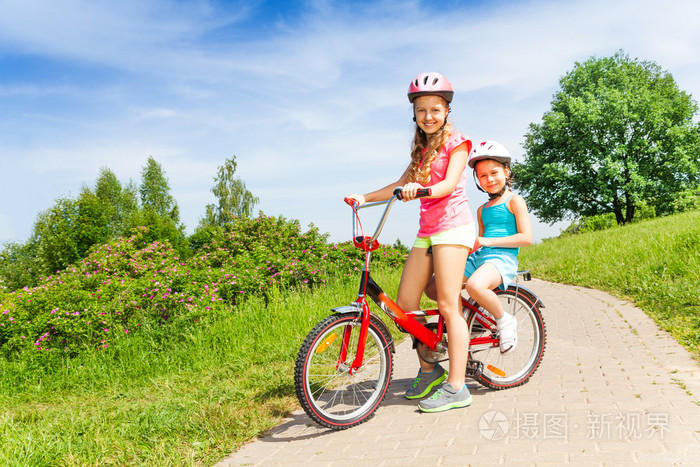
508 333
425 382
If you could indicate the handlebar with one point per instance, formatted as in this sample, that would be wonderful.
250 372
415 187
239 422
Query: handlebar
422 193
398 193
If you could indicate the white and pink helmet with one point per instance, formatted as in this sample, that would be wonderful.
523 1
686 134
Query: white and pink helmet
430 84
494 151
489 150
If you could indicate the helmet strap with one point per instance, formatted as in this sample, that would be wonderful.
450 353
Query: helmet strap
493 196
449 109
476 182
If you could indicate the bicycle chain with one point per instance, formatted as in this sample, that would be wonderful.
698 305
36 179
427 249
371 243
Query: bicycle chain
428 355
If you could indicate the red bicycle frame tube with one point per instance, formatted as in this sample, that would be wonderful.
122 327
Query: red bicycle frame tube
487 323
400 317
362 340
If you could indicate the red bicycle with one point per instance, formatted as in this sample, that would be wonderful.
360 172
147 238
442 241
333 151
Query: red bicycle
345 364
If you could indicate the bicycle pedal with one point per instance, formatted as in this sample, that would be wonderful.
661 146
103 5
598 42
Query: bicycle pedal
474 368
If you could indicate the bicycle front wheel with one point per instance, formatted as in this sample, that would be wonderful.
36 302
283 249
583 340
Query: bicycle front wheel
330 393
507 371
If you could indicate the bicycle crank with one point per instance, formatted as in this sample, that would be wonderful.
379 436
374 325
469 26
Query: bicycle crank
429 355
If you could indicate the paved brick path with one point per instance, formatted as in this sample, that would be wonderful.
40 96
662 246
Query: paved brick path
612 390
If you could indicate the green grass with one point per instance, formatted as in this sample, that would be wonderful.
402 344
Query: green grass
194 396
191 399
654 263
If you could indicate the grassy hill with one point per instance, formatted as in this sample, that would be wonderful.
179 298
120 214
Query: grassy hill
654 263
191 395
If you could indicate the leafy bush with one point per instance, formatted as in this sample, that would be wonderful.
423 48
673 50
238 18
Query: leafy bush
599 222
643 211
18 265
131 283
686 201
590 224
69 230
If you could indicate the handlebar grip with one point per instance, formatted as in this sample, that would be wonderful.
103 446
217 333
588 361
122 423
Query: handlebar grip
422 192
351 202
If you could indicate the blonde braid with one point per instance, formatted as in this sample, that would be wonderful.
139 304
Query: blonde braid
425 149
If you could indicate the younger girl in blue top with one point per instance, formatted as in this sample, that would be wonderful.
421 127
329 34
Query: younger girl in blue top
504 226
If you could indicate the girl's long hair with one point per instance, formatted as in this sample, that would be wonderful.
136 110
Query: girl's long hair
428 146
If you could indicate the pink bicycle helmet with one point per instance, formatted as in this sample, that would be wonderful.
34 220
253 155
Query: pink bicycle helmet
430 84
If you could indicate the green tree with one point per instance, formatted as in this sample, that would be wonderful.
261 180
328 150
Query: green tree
119 202
56 236
66 232
234 200
155 192
619 132
159 210
18 266
92 225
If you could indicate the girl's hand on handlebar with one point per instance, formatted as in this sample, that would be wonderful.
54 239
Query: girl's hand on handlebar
359 199
410 190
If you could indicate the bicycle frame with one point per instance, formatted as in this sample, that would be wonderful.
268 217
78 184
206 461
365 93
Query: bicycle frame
368 287
403 319
406 320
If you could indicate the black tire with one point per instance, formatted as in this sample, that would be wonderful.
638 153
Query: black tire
328 393
517 367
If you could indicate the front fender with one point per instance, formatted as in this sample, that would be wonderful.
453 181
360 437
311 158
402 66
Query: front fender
354 307
357 308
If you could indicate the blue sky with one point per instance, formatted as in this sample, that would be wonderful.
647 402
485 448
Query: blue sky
308 95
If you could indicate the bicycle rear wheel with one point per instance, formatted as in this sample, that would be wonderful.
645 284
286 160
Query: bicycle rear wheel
326 390
507 371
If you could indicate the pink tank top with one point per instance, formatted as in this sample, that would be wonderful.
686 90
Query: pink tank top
452 210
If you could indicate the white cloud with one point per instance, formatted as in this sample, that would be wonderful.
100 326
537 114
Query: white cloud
127 34
313 109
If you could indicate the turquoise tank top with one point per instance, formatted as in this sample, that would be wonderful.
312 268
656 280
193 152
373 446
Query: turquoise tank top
499 222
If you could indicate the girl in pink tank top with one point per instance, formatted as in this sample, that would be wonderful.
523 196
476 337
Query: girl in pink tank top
445 237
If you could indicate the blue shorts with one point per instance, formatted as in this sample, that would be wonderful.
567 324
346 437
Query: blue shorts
505 261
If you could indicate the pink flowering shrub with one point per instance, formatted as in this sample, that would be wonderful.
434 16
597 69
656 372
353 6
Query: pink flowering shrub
130 285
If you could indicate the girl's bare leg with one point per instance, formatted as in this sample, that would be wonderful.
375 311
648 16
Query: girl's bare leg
416 273
480 287
448 263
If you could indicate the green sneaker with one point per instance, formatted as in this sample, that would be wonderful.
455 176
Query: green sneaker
425 382
446 398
